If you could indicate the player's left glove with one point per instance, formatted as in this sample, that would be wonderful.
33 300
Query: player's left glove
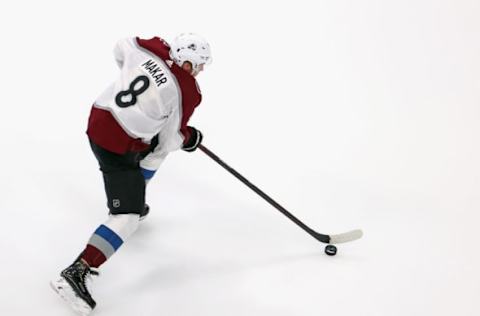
194 140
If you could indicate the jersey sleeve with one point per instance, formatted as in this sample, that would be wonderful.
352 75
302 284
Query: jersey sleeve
191 95
152 162
169 139
190 103
122 48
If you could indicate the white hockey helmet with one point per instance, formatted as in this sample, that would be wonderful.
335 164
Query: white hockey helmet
192 48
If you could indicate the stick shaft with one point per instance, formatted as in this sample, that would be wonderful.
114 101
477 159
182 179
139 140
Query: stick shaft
314 234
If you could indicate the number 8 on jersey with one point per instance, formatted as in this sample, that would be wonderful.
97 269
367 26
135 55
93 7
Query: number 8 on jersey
132 92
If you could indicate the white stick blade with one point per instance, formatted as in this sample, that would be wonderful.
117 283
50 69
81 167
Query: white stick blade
346 237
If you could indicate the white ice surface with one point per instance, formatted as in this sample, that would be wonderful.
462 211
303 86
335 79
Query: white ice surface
352 114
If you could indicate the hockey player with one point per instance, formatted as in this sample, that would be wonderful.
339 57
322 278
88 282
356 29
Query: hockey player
132 127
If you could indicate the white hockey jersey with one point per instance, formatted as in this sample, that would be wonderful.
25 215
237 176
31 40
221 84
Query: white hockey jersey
146 100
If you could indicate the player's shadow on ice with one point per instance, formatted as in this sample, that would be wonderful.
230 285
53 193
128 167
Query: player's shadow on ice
172 275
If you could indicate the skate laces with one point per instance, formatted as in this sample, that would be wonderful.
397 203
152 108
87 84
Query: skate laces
88 276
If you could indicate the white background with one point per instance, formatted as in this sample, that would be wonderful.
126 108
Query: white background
352 114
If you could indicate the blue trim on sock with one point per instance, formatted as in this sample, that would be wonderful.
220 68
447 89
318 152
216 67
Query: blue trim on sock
148 174
110 236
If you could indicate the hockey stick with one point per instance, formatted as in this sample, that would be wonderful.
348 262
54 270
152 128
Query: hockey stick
328 239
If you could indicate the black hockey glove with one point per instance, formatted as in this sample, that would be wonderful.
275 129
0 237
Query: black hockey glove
194 141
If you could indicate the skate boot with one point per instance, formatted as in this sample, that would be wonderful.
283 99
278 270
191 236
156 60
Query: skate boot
73 289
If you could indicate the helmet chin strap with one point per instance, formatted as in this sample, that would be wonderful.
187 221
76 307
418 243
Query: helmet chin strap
195 72
196 68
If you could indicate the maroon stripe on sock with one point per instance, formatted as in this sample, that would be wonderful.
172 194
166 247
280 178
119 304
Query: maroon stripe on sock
94 257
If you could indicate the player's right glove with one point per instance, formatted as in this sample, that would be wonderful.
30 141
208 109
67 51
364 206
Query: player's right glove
194 140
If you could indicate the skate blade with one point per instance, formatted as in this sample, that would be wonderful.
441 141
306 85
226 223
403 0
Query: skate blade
65 291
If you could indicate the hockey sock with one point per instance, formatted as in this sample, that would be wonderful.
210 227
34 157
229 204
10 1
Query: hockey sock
109 237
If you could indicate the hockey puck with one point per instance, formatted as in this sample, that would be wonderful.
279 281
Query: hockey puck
331 250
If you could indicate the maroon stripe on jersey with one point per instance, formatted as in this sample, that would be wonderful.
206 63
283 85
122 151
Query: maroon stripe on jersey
104 131
191 95
94 257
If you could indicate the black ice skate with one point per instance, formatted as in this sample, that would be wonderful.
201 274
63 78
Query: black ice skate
73 289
